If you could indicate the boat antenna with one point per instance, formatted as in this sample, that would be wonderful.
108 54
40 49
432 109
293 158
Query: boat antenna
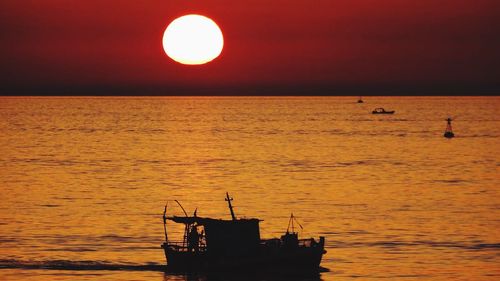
228 199
165 222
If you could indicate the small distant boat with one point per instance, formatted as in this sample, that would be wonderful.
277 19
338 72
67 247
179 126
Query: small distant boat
380 110
448 133
218 245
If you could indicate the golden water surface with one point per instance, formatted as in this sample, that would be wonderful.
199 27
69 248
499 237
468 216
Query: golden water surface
83 182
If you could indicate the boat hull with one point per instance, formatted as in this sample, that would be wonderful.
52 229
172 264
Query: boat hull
301 259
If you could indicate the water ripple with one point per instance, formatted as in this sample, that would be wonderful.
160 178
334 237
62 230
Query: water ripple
79 265
418 243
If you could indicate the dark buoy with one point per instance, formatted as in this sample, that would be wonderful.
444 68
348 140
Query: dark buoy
449 132
360 100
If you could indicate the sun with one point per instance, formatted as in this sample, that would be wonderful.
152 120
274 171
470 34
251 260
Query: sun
193 39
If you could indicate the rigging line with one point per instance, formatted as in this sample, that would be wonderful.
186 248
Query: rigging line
165 222
295 218
181 208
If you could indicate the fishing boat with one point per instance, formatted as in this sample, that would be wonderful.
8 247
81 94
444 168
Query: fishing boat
380 110
218 245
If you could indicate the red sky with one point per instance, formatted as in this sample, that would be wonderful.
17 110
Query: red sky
376 46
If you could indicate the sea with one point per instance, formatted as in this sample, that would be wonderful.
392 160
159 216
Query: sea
84 182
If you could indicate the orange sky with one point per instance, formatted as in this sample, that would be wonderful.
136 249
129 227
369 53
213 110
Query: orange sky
308 47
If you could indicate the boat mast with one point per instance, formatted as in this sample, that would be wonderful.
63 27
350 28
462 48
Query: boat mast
230 206
290 222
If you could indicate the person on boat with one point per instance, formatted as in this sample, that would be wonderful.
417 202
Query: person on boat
193 239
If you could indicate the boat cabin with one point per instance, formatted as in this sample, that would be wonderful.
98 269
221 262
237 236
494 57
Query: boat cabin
218 236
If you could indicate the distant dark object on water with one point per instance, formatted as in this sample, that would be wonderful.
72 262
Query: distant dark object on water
360 100
448 133
380 110
216 245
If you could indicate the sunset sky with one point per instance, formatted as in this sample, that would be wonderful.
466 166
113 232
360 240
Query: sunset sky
99 47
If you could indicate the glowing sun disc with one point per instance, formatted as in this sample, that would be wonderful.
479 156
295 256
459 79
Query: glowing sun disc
193 39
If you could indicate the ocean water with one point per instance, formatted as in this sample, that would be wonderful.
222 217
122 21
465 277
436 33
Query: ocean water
83 182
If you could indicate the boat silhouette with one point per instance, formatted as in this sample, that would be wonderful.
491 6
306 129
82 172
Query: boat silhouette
217 245
380 110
